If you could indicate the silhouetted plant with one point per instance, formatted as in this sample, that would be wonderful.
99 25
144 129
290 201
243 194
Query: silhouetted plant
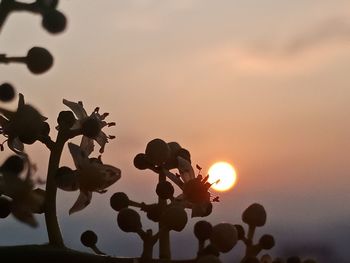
20 197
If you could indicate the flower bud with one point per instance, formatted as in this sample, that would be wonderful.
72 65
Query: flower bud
240 231
254 215
203 230
154 212
210 250
184 154
39 60
5 207
267 242
141 162
157 152
224 237
119 201
7 92
66 119
165 190
174 217
54 21
129 220
66 179
88 238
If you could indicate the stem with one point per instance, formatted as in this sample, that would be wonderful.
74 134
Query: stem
164 237
53 229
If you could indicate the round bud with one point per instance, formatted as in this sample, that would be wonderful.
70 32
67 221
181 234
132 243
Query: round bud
119 201
5 207
203 230
141 162
39 60
28 138
254 215
240 231
294 259
172 163
184 154
129 220
7 92
250 259
45 129
154 212
66 119
66 179
165 190
209 259
224 237
157 151
88 238
267 242
54 21
174 218
91 128
13 164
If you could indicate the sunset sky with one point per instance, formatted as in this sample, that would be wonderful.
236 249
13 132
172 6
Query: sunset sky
263 85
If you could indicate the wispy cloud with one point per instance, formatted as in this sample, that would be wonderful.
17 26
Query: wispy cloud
331 31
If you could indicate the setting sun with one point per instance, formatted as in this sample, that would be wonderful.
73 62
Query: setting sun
225 173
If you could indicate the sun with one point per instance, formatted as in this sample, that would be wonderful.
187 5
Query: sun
225 173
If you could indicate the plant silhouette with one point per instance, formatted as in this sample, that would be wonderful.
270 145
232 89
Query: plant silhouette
169 161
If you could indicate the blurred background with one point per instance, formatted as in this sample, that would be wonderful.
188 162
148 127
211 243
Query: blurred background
263 85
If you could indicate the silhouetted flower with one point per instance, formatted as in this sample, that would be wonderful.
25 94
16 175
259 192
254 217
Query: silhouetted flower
195 193
24 200
26 125
92 174
90 126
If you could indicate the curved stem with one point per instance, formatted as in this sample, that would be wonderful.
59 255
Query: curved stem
53 229
164 235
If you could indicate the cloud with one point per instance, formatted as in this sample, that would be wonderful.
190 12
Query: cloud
333 30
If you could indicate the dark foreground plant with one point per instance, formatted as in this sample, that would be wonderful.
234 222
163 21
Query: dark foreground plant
170 162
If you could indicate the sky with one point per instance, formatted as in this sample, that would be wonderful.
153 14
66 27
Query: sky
261 84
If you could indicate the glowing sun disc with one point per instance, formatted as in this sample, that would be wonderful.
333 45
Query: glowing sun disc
225 173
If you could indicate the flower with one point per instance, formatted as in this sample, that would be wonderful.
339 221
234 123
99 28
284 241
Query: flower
195 190
26 125
24 200
90 126
92 174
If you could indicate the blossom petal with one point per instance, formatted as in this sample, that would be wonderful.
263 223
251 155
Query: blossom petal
173 178
87 145
24 213
185 169
83 201
77 108
79 156
16 146
200 210
102 139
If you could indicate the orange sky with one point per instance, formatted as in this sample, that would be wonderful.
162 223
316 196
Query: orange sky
262 84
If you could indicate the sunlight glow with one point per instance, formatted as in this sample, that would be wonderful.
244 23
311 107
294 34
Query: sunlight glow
224 172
